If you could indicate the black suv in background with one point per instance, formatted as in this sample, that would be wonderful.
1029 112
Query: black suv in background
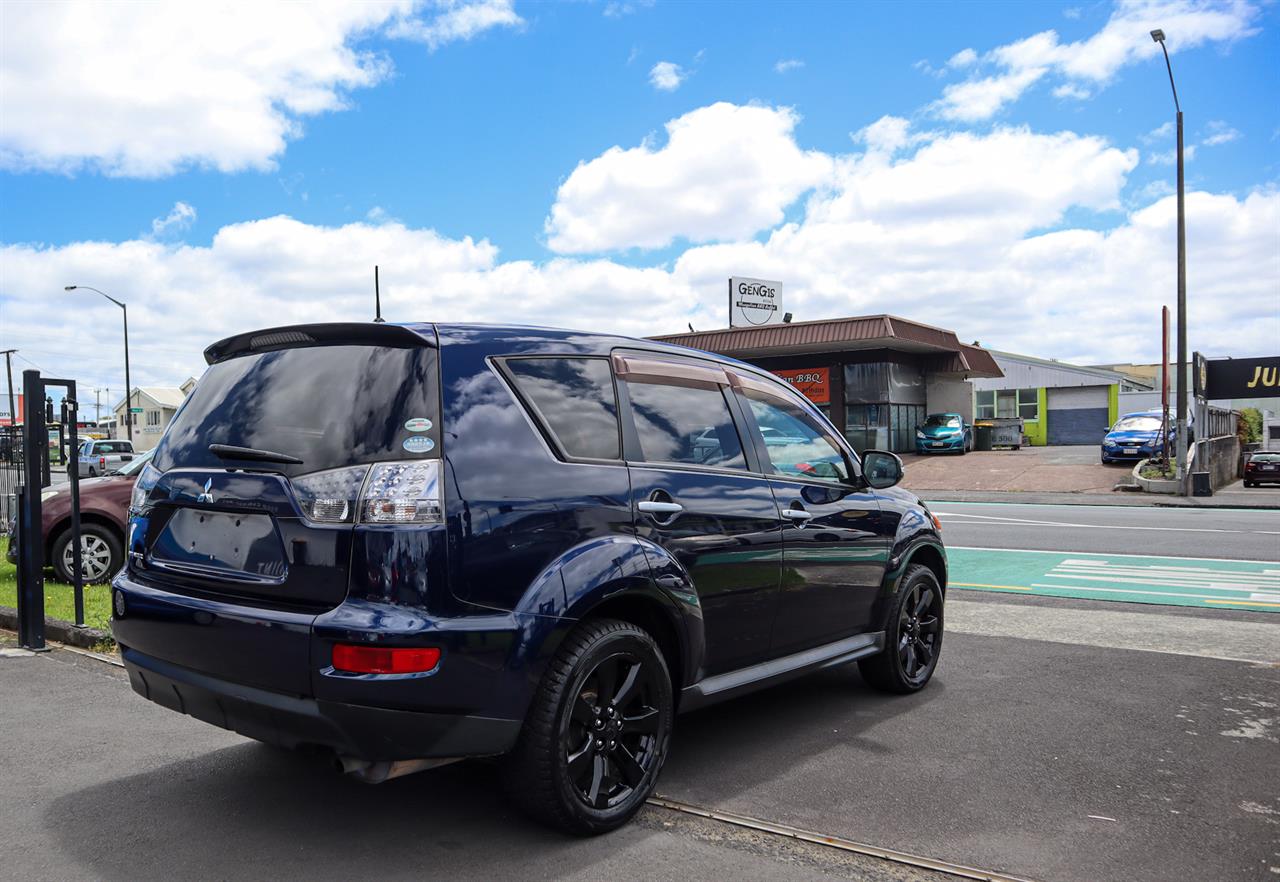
408 544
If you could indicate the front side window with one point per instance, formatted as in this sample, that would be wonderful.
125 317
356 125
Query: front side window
687 424
575 400
795 442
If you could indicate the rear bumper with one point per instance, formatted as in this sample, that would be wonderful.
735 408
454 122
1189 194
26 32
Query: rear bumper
371 733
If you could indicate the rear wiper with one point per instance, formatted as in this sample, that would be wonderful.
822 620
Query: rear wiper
228 451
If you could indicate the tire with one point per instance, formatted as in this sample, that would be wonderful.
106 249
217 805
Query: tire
102 554
564 770
1248 483
93 473
898 669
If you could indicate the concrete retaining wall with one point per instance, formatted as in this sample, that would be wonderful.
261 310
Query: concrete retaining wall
1223 458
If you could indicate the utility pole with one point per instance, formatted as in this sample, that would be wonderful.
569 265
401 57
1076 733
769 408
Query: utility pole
8 371
1158 36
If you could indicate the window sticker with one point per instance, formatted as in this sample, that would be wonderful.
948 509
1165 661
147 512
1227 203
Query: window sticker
418 424
418 444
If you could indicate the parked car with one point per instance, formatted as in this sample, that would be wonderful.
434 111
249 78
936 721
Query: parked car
1137 436
103 457
1262 468
485 541
944 433
104 504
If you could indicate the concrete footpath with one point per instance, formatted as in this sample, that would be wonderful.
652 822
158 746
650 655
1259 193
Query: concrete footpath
1078 758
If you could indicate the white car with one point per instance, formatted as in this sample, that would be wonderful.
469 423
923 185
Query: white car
102 457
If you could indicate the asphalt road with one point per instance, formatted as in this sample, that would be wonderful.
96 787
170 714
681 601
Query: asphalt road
1236 534
1071 758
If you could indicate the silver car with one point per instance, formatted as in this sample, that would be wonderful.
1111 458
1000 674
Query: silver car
102 457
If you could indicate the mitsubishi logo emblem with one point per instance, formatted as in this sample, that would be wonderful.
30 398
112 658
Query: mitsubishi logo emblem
207 495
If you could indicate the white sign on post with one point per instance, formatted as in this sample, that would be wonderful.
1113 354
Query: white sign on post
754 302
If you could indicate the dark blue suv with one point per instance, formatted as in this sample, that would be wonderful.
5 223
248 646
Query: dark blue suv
410 544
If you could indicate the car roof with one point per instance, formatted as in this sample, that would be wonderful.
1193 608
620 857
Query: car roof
579 342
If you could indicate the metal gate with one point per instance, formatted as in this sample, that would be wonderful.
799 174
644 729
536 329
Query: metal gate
25 466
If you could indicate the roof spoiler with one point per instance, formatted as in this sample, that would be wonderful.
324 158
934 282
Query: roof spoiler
327 334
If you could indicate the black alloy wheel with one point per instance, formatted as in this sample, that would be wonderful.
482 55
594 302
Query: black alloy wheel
919 631
913 636
612 738
597 731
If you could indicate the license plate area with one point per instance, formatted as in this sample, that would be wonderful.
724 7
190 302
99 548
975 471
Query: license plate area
1131 450
227 545
937 443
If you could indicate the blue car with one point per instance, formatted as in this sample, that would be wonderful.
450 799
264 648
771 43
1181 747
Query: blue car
944 433
1137 436
406 545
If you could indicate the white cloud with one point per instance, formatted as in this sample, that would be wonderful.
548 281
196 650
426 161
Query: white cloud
975 100
148 89
453 21
179 218
1162 132
788 64
960 230
1089 64
963 58
620 8
1072 90
667 76
1220 133
1170 157
725 171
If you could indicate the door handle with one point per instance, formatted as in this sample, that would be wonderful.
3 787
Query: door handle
649 506
796 514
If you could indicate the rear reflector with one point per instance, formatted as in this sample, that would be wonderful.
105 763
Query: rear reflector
384 660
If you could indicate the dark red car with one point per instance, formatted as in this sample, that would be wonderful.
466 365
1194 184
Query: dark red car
1262 468
104 507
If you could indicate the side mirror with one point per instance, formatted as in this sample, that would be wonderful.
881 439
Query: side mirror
881 469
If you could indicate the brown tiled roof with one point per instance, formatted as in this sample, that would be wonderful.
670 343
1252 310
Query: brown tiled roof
834 335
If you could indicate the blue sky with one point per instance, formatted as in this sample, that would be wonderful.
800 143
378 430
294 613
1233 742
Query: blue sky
457 128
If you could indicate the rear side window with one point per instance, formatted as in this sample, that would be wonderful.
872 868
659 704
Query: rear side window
330 406
688 424
574 400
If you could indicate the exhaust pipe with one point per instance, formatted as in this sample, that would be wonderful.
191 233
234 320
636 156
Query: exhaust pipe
371 772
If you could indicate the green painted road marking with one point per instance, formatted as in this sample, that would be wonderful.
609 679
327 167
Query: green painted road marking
1216 584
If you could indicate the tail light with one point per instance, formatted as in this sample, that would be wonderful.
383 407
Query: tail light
355 659
384 493
147 479
102 462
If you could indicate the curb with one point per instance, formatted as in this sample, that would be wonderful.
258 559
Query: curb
57 629
1126 500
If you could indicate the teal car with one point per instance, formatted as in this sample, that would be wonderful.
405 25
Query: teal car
944 433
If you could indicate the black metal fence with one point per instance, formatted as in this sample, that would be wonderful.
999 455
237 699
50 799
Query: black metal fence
24 466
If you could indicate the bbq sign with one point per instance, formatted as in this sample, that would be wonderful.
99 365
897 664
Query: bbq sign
754 302
812 383
1242 378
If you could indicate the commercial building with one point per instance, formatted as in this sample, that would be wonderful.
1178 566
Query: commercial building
876 377
1059 403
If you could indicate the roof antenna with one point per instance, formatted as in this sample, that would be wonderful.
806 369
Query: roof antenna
377 297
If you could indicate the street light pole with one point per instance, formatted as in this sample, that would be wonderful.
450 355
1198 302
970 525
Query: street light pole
128 386
1158 36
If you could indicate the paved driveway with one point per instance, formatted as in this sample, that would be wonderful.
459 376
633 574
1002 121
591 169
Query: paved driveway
1031 469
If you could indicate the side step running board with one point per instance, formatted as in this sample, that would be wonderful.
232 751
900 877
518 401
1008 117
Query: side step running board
778 670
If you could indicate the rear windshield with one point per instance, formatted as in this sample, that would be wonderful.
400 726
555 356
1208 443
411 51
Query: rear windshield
330 406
